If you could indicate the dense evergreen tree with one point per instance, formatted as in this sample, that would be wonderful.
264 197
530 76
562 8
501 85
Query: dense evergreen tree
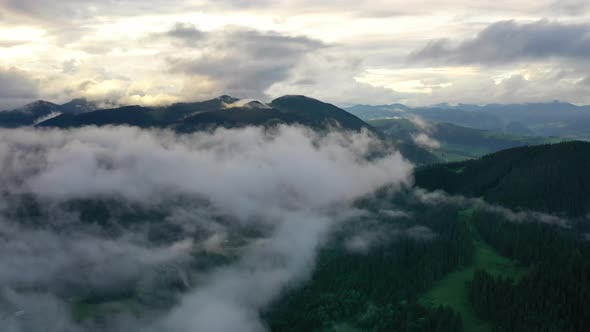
550 178
377 291
555 293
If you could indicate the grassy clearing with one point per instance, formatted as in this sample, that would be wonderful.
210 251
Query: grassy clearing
452 290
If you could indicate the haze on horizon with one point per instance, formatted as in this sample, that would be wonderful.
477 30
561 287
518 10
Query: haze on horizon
344 52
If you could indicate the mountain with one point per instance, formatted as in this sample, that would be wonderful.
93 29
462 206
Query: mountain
40 111
548 119
319 113
238 117
179 111
456 142
129 115
416 154
368 112
531 119
478 120
216 112
229 112
439 113
552 178
517 128
79 105
29 114
289 110
316 113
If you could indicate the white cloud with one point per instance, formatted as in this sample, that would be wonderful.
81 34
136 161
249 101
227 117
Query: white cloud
424 140
112 38
290 183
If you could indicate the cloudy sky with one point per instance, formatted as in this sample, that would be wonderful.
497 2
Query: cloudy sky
341 51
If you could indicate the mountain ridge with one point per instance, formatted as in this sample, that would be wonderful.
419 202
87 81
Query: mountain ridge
218 112
539 119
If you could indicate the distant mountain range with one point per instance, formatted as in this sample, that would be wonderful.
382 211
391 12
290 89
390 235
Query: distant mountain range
454 142
40 111
224 111
532 119
460 132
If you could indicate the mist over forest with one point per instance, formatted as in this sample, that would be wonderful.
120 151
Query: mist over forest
294 166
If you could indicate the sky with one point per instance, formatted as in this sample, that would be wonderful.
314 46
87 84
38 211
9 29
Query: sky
341 51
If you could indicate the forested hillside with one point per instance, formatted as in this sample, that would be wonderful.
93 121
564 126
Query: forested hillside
377 288
553 296
551 178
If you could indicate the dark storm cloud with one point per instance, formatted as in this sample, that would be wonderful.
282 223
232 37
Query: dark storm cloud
243 62
509 41
15 87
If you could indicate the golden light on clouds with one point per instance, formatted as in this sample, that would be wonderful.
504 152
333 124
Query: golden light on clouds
347 51
415 80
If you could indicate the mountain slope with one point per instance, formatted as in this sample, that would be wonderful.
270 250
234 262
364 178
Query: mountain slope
128 115
317 112
28 114
179 111
79 105
552 178
40 111
237 117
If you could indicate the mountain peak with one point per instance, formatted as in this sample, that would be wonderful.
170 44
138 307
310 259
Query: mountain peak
317 111
35 106
79 105
39 102
227 99
294 97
